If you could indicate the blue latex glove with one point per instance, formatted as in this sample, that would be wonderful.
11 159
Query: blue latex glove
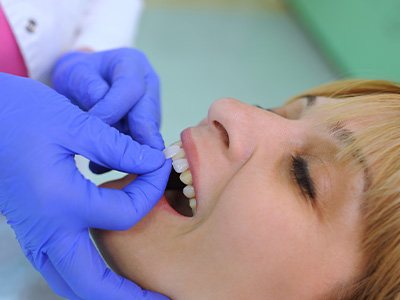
118 86
50 205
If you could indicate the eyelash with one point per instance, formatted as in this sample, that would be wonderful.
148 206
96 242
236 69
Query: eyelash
301 174
299 167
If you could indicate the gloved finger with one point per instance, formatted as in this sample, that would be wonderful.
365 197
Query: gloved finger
121 209
86 273
127 86
99 142
89 89
55 281
80 83
144 118
122 126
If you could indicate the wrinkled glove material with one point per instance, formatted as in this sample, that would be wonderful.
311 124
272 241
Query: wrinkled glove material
50 205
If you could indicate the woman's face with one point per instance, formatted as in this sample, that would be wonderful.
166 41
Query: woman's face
278 217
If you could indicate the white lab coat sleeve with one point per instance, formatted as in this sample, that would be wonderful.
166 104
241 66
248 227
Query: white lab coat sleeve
109 24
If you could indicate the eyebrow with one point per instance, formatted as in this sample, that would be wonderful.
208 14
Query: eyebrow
310 100
345 137
341 134
261 107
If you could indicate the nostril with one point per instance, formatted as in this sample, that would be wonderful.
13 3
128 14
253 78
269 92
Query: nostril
224 134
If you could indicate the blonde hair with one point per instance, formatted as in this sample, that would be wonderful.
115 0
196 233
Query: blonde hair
376 106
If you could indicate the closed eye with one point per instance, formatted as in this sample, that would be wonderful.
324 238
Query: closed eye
301 175
277 111
267 109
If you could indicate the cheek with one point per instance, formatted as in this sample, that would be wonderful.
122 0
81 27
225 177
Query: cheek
263 233
258 223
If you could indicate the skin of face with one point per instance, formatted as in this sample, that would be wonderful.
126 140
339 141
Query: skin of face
256 234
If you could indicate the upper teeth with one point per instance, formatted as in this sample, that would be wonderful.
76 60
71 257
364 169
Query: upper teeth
186 177
181 165
188 191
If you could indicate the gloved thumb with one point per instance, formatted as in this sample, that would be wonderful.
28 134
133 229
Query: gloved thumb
113 209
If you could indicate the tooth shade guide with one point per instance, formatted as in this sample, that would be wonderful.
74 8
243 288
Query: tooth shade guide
171 151
176 152
179 154
178 143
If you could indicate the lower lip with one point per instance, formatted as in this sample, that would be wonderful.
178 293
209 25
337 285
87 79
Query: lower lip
164 205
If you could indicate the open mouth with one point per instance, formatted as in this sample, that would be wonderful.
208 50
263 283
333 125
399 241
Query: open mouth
180 193
175 197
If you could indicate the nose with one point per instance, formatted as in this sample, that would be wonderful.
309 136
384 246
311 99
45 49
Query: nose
242 127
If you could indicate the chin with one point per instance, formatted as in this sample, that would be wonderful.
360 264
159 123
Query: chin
142 253
150 253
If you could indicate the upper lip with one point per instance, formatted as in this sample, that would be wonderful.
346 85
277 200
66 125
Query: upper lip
192 157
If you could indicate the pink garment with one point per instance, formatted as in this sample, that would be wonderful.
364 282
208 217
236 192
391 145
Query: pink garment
11 60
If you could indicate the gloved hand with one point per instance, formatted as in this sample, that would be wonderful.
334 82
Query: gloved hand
50 205
118 86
